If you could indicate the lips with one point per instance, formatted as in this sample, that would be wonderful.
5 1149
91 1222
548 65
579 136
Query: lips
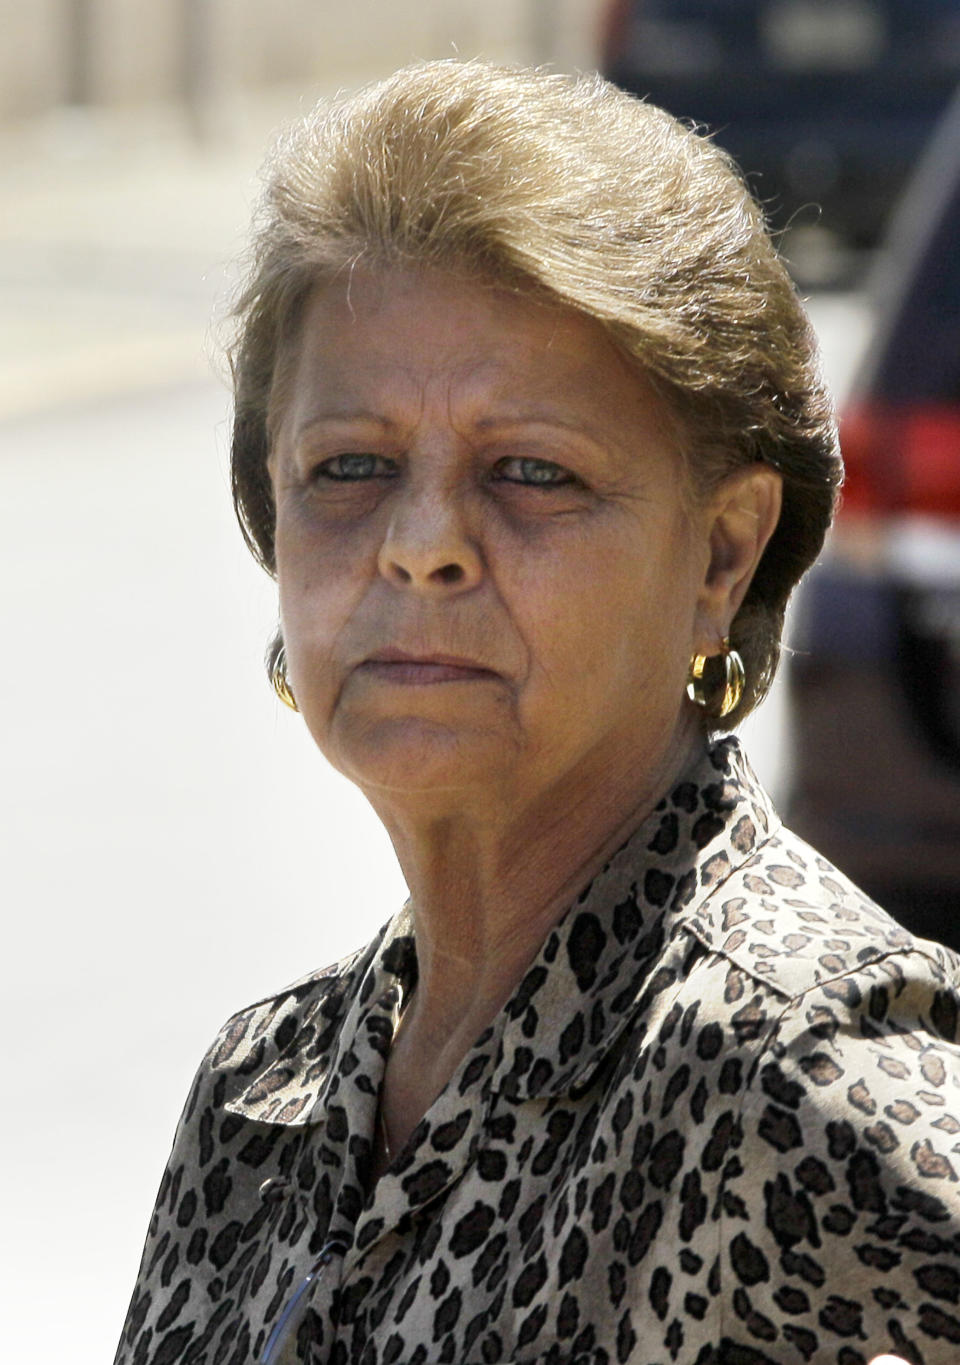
399 666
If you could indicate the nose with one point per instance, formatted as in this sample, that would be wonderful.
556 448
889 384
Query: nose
428 546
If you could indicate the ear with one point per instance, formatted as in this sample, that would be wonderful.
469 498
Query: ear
740 517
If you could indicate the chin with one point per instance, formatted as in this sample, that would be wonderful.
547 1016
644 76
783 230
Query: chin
419 756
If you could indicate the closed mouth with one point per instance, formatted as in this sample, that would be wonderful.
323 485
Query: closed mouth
396 665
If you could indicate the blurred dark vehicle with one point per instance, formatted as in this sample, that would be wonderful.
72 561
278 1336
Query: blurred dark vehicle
876 680
822 102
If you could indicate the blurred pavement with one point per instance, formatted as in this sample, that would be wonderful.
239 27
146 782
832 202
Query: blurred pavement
117 233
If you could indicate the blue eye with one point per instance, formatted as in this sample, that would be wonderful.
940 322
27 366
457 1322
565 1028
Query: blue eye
534 473
355 467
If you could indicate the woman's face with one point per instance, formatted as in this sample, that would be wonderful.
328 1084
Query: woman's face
489 576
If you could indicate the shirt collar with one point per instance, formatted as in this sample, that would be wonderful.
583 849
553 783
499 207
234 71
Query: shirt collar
589 979
609 952
282 1057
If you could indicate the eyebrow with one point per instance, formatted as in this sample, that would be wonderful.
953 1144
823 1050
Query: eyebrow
578 430
530 419
484 424
342 419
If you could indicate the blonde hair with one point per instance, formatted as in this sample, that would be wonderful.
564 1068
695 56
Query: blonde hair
567 187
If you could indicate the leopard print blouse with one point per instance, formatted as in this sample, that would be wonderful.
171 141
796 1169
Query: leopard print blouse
718 1121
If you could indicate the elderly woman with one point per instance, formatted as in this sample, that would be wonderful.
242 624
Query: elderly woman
530 428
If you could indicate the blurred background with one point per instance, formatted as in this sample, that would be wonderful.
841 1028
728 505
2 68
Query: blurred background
173 848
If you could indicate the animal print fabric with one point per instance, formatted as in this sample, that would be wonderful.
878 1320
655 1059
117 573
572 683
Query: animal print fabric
717 1122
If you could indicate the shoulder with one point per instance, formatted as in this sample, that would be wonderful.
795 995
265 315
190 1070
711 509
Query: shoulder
269 1025
840 1205
239 1136
268 1057
788 918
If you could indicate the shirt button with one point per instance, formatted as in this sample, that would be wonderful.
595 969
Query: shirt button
273 1190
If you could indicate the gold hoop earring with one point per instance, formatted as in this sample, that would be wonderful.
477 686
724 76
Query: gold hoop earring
734 679
278 677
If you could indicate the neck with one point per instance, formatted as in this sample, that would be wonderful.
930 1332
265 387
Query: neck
488 880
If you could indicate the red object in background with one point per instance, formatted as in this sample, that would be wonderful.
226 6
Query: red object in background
902 459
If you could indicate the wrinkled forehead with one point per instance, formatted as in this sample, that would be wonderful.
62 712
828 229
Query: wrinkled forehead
406 336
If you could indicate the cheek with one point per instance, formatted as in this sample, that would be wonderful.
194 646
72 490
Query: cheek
319 586
624 612
314 606
577 614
